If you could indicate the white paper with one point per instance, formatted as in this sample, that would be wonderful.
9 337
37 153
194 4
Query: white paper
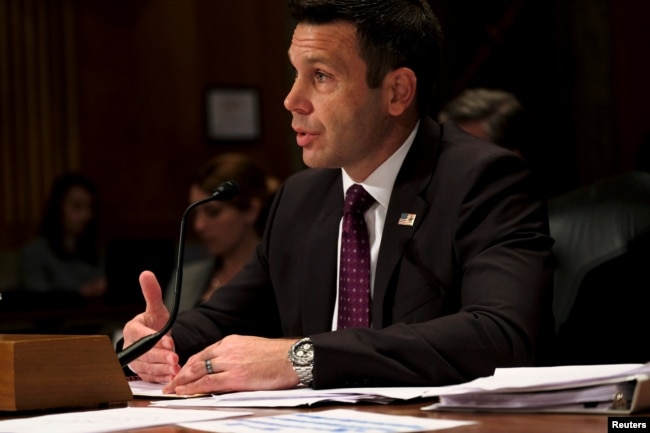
299 397
546 378
337 420
546 388
595 394
140 388
108 420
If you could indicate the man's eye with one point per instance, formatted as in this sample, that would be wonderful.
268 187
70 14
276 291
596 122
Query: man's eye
320 76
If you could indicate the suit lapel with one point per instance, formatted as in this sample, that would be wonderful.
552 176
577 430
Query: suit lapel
320 260
407 198
404 199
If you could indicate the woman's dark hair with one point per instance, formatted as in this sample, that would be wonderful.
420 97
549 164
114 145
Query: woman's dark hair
52 223
391 33
253 181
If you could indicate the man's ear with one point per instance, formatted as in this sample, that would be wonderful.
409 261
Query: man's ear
402 85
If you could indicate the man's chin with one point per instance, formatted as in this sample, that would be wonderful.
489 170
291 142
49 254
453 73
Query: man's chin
311 160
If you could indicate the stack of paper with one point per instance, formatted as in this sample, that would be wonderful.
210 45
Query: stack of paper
615 388
299 397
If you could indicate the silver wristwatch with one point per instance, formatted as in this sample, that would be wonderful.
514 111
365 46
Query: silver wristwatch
301 356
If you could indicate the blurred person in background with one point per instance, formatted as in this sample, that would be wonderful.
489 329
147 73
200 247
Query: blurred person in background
499 117
229 231
494 115
65 257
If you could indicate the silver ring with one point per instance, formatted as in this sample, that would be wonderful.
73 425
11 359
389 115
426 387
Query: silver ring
208 366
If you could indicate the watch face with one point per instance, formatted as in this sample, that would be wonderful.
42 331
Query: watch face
303 353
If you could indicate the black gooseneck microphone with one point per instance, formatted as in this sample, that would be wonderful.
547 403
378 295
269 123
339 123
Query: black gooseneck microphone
225 191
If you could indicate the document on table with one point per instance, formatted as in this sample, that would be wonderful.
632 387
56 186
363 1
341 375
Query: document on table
108 420
299 397
336 420
582 388
548 378
597 396
140 388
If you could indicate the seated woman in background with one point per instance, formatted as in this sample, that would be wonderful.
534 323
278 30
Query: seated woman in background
65 257
228 230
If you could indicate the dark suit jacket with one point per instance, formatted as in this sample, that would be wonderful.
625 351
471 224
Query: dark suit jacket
466 289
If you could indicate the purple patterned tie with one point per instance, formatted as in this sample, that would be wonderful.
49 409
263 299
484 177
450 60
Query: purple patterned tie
354 269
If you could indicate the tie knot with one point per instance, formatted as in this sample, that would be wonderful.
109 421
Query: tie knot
357 199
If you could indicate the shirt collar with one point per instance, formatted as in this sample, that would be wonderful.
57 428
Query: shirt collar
380 182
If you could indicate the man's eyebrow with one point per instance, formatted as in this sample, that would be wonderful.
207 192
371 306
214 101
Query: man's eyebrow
311 59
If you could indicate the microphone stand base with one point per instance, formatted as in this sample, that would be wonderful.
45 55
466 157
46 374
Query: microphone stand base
59 371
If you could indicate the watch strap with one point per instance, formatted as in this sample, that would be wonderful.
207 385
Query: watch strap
305 374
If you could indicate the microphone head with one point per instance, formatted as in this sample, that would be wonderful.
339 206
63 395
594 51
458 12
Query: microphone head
226 190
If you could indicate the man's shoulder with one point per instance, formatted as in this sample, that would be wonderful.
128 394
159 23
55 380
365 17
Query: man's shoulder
463 153
308 191
455 140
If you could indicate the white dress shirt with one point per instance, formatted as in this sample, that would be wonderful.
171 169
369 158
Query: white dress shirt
380 186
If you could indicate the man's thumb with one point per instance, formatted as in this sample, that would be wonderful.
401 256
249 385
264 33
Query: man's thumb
152 294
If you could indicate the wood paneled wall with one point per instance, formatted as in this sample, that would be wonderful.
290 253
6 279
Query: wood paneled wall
115 88
144 67
38 111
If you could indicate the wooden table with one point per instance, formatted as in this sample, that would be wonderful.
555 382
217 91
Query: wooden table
486 422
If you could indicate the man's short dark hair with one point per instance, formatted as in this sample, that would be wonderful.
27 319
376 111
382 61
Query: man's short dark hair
391 34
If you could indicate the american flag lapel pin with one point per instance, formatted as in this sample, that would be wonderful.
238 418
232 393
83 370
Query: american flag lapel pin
406 219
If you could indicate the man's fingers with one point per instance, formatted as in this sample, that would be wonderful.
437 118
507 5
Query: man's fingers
160 355
157 379
156 362
203 385
152 295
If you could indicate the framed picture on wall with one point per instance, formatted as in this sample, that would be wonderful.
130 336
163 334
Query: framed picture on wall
232 114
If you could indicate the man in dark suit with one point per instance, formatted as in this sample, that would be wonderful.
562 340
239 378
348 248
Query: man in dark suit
459 278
